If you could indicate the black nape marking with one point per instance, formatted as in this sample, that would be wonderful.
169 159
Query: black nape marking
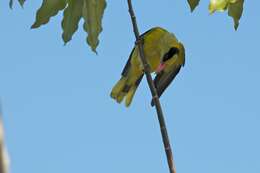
170 54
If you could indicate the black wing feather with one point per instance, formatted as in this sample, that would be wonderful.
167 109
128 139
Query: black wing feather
163 80
127 65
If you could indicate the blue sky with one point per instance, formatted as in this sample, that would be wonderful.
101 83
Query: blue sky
59 117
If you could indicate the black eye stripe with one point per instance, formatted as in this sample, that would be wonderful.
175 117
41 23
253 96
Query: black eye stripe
170 54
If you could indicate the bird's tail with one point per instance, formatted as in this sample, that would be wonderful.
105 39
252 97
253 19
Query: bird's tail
117 91
123 89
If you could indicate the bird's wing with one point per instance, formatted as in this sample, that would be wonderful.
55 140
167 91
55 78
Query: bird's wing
127 65
146 34
163 79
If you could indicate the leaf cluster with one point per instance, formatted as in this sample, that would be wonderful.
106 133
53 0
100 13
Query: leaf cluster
92 11
234 8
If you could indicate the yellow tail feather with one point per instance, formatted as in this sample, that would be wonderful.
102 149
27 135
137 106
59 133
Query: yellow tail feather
130 95
117 89
124 90
120 97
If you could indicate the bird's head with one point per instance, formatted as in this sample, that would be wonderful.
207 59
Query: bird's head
175 55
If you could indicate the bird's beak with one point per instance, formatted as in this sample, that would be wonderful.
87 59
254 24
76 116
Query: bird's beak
160 67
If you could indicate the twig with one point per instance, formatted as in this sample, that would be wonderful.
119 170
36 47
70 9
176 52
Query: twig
139 43
4 161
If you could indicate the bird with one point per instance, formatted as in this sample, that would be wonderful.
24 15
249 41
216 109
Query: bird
165 56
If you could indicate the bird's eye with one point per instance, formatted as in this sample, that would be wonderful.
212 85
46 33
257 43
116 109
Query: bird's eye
173 51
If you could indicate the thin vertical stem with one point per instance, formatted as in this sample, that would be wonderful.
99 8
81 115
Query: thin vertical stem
3 153
139 43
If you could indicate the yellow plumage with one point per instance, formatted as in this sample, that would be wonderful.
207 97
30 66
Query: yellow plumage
157 44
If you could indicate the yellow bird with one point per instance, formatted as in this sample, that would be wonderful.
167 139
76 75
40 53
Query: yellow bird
165 55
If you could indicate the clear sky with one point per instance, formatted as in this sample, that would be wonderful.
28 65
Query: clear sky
59 117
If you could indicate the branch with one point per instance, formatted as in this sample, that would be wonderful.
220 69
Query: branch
139 43
4 161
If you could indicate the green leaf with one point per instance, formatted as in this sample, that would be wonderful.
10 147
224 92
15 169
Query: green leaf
71 17
21 2
235 8
48 9
92 13
193 4
235 11
218 5
11 2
